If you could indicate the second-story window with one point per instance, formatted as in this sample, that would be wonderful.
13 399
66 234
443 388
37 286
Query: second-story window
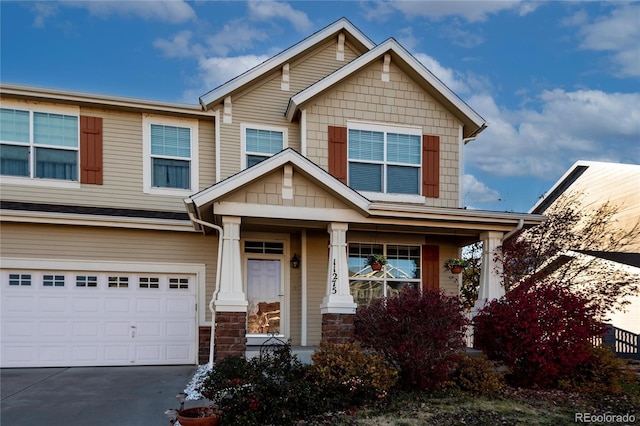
261 143
171 155
36 144
384 159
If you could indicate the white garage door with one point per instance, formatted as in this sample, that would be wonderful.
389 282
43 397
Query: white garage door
67 318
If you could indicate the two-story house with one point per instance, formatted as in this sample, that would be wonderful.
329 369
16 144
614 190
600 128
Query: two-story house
142 232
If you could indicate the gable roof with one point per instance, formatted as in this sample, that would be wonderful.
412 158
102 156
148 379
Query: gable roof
473 122
286 156
353 35
612 172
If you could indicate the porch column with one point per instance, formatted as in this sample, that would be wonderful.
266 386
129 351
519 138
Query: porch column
491 273
231 302
338 307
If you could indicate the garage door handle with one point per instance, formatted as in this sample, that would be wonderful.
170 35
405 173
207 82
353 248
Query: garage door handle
133 331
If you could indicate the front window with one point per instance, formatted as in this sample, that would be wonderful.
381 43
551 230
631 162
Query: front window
402 270
385 160
171 156
170 165
261 142
37 144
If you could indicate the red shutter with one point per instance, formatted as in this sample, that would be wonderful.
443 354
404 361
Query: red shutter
91 150
338 153
431 166
430 268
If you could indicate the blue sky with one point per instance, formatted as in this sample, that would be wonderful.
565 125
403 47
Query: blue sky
556 82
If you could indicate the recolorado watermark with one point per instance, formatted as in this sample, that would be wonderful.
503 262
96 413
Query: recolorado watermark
604 418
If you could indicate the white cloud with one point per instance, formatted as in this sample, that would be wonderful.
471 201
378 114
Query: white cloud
217 70
446 75
471 11
476 192
172 11
268 9
563 128
234 36
179 46
618 33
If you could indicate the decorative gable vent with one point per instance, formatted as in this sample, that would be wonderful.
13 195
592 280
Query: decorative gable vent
340 48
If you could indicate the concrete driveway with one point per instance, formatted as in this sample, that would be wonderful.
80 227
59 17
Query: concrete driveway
97 396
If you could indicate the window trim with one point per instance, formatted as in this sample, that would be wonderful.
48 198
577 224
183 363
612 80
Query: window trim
147 168
32 180
386 128
243 138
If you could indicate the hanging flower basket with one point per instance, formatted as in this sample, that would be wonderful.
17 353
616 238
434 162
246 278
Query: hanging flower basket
455 265
376 261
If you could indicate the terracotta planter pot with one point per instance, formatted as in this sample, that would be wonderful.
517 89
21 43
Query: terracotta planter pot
189 417
376 266
456 269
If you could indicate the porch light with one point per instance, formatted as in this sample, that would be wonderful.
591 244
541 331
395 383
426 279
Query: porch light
295 261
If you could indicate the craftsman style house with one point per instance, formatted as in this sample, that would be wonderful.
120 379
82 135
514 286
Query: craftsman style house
131 227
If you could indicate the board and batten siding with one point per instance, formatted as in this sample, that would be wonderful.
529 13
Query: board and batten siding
79 243
122 169
365 97
264 102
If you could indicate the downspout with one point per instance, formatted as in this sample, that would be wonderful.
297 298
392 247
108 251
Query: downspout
215 292
513 231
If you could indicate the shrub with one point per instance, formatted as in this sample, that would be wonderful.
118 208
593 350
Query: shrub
271 389
354 375
421 334
602 373
542 332
477 375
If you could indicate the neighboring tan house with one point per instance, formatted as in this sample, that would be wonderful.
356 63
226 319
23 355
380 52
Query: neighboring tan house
595 183
292 174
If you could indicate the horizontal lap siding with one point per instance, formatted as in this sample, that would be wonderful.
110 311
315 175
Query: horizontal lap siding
265 102
102 244
317 260
122 170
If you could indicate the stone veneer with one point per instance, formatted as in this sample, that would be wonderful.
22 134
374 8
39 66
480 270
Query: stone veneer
230 334
338 328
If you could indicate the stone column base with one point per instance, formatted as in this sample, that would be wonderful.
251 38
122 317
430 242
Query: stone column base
338 328
230 335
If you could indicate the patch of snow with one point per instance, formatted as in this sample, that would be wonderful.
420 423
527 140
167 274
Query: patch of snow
196 381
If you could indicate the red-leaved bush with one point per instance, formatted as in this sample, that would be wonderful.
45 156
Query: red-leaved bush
541 331
420 333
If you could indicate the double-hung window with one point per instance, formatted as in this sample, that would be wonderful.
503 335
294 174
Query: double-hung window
36 144
384 159
171 153
402 270
261 142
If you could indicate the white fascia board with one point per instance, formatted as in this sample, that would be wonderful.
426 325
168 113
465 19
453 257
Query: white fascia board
95 220
285 56
363 61
53 95
288 155
449 214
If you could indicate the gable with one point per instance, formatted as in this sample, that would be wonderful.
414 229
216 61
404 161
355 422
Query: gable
270 189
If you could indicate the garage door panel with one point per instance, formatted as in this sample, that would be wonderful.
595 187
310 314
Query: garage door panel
52 329
149 306
116 305
95 323
86 329
20 304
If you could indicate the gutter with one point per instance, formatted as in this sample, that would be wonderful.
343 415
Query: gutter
215 292
513 231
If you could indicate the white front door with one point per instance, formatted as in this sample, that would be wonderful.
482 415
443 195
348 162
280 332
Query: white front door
265 295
